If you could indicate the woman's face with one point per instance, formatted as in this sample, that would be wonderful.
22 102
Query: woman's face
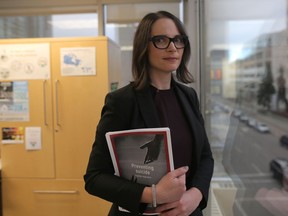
164 60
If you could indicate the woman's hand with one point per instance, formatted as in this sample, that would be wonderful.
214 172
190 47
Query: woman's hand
183 207
171 187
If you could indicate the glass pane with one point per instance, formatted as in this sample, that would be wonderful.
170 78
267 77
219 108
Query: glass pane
246 96
78 25
56 25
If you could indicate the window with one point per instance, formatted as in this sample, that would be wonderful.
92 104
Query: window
56 25
248 107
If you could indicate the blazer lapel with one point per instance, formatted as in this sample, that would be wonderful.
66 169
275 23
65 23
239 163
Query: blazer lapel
147 107
188 108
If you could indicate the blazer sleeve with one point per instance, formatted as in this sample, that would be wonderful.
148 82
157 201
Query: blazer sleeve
99 177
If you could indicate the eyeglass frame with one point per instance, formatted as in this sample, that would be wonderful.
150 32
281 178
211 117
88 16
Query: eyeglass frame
184 37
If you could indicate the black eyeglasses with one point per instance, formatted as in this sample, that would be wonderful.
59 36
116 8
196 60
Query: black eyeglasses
163 42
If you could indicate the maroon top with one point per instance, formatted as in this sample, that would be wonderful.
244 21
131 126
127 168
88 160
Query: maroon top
171 115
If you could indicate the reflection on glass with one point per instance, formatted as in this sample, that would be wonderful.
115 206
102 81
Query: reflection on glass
247 52
67 25
57 25
24 26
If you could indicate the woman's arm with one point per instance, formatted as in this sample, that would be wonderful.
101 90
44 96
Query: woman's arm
99 177
170 188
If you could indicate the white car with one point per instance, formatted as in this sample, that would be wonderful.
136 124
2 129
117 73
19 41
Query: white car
261 127
243 118
251 122
237 113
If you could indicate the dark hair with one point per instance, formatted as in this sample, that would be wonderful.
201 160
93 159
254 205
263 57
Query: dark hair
140 62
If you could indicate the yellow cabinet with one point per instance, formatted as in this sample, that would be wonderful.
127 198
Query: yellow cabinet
50 197
18 162
77 106
67 108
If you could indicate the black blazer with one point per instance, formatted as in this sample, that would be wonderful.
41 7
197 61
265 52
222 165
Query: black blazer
127 108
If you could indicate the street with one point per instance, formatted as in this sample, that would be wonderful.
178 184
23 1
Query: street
247 153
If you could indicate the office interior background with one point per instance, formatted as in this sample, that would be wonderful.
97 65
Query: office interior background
239 50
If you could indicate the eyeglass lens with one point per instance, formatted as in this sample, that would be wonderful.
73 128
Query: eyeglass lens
163 42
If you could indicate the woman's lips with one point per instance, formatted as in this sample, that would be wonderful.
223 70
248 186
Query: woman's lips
171 59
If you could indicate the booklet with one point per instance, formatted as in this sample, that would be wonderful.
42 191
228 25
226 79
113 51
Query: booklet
141 155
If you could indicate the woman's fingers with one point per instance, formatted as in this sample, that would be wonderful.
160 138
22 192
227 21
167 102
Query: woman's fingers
172 186
179 172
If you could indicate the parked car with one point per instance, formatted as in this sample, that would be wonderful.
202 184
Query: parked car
284 140
261 127
226 109
237 113
279 168
243 118
251 122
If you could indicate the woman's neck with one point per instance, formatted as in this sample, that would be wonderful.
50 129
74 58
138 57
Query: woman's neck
161 82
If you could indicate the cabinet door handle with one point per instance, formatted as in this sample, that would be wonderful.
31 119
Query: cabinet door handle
57 102
45 102
55 191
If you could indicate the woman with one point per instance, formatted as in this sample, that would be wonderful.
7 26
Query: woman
156 99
